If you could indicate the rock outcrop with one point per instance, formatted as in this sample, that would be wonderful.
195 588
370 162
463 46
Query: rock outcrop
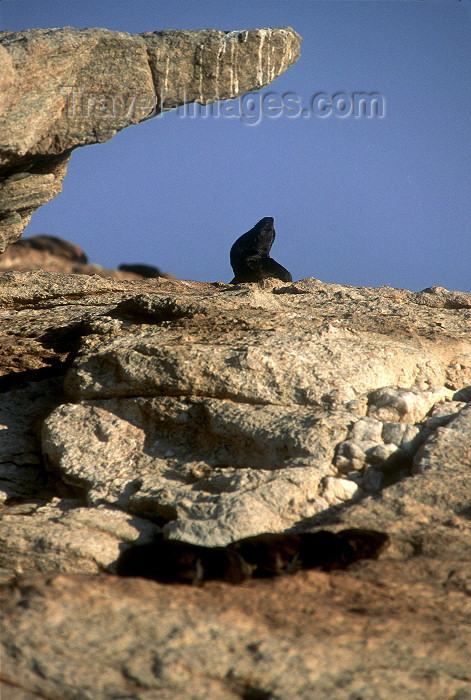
65 88
52 254
386 630
211 413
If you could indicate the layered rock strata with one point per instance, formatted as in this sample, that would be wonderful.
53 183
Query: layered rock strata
221 412
212 413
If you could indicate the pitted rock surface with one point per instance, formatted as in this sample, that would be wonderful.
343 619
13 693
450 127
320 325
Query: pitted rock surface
387 629
213 413
232 399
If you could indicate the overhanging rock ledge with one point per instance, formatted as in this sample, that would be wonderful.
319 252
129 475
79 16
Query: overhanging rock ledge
65 88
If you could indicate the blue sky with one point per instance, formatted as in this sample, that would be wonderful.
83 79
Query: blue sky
359 201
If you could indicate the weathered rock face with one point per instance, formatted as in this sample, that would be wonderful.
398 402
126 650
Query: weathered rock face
38 253
221 412
227 426
216 412
387 629
62 535
90 83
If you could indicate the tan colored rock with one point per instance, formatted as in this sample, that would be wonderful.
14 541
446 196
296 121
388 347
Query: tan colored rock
64 536
407 405
443 412
227 426
21 290
385 630
20 257
65 88
296 450
23 191
22 410
329 365
429 511
212 65
449 448
215 470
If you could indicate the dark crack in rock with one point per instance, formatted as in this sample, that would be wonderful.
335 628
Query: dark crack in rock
261 556
172 561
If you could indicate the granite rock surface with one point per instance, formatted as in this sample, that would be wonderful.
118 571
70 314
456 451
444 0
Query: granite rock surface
64 88
386 630
213 412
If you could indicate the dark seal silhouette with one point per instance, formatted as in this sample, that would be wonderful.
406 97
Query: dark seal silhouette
270 554
148 271
172 561
259 556
327 550
250 255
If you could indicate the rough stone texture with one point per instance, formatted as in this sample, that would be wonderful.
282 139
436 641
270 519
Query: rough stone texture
386 630
65 88
216 471
18 258
444 450
62 536
327 365
215 412
275 415
21 412
428 512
